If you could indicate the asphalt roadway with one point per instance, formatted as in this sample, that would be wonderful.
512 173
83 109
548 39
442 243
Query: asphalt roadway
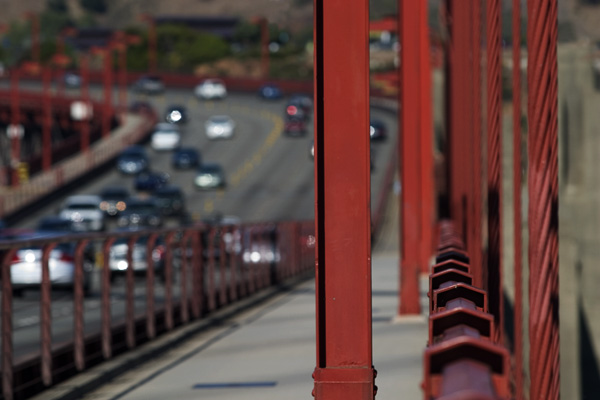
270 178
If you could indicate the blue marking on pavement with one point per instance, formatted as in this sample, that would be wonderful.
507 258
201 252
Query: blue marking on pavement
226 385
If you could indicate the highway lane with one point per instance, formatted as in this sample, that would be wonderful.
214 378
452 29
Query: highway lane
270 178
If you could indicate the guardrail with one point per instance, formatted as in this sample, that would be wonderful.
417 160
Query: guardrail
461 360
134 129
201 268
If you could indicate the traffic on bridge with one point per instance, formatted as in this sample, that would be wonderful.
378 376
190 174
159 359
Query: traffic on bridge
196 197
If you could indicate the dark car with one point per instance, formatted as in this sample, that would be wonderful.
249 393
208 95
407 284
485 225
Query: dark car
149 85
114 200
150 181
170 200
270 91
133 160
141 212
299 105
210 176
294 126
186 158
56 224
140 106
377 130
71 80
176 114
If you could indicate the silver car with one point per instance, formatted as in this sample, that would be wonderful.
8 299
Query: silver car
166 136
219 127
211 89
26 268
118 257
210 176
85 212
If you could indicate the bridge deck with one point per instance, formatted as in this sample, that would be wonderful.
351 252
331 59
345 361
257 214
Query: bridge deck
268 351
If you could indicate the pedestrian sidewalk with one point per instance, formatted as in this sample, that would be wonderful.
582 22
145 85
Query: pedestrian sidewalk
269 351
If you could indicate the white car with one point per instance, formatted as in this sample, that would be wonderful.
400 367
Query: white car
85 212
166 137
219 127
211 89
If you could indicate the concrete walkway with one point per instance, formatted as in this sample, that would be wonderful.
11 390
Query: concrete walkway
269 352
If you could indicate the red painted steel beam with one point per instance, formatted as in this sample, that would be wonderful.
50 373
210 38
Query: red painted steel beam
426 135
475 241
15 119
85 98
544 364
458 147
344 367
411 216
517 182
494 167
107 91
47 120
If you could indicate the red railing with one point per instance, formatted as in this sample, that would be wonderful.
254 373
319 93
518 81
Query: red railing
463 359
203 268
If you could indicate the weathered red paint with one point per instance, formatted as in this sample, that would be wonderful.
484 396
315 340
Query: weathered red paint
78 303
129 294
46 315
150 316
7 326
342 193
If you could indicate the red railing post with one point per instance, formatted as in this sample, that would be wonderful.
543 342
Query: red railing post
542 77
344 367
46 316
150 316
105 310
7 326
494 167
169 321
78 303
411 216
518 306
129 294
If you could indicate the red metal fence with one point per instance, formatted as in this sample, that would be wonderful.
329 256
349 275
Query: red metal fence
204 268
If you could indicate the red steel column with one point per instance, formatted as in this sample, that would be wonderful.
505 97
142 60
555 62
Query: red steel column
47 120
85 98
123 78
107 91
410 153
15 119
458 154
542 31
475 248
494 127
426 132
518 309
344 368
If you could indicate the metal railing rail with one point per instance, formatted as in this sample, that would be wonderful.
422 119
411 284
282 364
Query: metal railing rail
209 266
462 359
